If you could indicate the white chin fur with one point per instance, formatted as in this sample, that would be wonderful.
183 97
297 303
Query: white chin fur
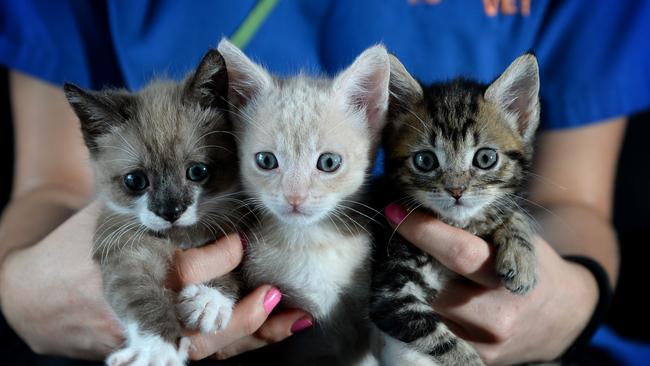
189 217
153 222
306 215
459 212
447 207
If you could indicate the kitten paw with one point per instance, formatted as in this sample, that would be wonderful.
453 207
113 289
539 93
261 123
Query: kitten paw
150 350
204 308
517 267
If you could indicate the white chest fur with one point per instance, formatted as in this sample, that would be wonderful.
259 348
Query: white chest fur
311 266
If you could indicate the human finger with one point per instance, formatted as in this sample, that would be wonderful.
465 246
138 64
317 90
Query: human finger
198 265
461 252
248 316
275 329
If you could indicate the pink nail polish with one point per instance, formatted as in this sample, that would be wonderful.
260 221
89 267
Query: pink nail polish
301 324
395 213
271 299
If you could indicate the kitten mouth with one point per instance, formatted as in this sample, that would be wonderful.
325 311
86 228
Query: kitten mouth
296 212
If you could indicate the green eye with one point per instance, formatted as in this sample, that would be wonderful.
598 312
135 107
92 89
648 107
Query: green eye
198 172
266 160
425 161
136 181
329 162
485 158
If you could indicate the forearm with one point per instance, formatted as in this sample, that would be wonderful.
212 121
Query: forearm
52 179
32 215
579 230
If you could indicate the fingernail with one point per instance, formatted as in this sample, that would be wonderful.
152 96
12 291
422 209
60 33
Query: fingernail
271 299
395 213
301 324
244 241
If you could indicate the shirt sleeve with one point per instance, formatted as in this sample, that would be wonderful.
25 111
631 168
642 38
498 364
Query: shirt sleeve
59 41
594 61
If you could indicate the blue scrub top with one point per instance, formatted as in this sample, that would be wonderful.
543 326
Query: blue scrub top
594 56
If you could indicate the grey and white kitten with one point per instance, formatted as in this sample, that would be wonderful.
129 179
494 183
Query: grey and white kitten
166 170
305 148
459 150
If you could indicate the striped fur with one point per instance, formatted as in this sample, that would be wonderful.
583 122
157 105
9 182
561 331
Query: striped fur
454 120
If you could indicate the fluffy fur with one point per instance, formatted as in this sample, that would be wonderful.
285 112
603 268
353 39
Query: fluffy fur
309 237
161 140
459 150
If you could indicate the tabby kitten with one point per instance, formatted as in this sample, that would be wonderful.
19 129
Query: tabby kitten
306 147
166 170
460 150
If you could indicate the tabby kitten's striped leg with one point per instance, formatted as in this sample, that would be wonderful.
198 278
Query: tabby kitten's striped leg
400 307
516 262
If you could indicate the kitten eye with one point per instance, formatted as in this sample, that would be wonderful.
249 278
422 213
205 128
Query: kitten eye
266 160
329 162
136 181
425 161
485 158
197 172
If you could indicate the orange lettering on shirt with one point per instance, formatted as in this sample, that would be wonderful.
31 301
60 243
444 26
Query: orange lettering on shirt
491 7
508 7
525 7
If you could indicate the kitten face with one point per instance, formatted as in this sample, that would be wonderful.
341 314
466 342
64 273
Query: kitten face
165 155
456 149
306 144
315 156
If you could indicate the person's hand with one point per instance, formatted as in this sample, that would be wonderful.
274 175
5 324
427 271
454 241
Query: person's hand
503 327
251 326
52 297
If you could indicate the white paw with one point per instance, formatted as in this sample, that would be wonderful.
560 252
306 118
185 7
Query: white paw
149 350
205 308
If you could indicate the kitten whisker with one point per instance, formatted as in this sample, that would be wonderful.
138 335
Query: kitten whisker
545 180
390 239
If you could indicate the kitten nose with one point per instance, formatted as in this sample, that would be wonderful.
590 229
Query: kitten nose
456 191
294 199
170 213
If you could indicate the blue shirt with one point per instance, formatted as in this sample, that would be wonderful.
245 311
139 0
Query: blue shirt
594 57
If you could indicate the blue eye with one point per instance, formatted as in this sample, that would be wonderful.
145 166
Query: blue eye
198 172
425 161
329 162
136 181
485 158
266 160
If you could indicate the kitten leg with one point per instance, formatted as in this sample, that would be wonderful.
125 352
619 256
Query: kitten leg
516 262
208 307
421 330
134 286
400 307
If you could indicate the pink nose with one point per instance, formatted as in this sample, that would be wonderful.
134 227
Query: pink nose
295 200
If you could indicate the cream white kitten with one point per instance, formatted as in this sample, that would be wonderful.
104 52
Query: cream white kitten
305 148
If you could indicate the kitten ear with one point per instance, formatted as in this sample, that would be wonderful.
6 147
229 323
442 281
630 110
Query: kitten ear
98 112
404 89
516 92
364 86
246 78
209 84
